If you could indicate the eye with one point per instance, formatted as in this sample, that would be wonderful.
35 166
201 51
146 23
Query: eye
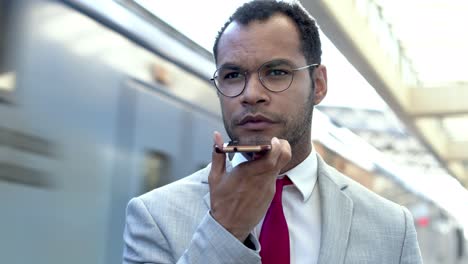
231 75
277 72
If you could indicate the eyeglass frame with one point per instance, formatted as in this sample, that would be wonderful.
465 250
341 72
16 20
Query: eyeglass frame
261 81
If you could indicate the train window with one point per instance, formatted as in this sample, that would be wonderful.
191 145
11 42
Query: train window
156 169
460 243
7 75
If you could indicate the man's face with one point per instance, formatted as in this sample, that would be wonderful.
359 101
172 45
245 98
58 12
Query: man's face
257 115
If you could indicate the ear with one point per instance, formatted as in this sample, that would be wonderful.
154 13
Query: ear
320 81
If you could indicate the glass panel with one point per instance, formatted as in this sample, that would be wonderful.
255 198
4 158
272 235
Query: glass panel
156 168
457 127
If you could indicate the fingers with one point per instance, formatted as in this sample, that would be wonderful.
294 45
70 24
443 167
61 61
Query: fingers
280 153
284 153
275 160
218 160
218 139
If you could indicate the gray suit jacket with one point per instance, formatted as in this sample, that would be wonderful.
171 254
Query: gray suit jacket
172 224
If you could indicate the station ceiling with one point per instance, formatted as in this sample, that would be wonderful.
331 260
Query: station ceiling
414 54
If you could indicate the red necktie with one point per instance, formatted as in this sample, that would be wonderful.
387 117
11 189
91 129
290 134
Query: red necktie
274 236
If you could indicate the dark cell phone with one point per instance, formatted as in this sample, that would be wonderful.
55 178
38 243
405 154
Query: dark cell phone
243 148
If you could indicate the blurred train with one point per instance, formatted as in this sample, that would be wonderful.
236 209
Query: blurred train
99 102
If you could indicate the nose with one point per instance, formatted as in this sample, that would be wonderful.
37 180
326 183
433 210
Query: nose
254 92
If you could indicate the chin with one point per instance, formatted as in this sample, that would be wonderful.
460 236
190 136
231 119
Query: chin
255 139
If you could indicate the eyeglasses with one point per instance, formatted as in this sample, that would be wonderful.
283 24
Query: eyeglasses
276 76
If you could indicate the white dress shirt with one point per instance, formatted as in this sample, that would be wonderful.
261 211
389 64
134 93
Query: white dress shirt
301 206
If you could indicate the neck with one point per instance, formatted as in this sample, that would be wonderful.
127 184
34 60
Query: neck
299 152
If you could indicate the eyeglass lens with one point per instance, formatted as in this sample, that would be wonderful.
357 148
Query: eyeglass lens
276 76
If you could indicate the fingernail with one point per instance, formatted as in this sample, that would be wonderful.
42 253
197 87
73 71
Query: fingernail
274 140
217 149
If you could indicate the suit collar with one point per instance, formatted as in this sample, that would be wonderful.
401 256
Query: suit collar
303 175
206 198
337 212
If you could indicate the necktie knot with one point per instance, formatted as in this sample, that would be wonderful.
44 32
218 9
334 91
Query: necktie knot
280 183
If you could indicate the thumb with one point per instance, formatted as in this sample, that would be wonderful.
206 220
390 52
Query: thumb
284 154
218 160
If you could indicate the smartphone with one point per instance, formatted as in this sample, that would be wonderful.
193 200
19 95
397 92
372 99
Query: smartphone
243 148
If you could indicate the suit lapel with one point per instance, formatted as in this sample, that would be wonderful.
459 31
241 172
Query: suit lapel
206 198
337 211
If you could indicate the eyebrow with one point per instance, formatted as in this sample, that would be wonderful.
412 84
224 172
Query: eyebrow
271 63
230 65
274 63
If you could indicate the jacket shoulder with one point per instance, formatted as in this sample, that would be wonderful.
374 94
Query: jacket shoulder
379 227
368 199
190 187
360 195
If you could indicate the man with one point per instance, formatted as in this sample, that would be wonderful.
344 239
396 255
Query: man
269 78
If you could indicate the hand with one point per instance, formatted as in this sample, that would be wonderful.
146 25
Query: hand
240 199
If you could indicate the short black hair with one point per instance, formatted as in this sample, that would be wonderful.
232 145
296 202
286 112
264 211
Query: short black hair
261 10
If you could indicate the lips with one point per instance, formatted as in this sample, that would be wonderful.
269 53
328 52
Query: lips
255 122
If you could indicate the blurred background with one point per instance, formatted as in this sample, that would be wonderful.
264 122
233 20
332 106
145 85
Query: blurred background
101 101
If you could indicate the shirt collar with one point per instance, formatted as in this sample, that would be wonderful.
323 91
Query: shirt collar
303 176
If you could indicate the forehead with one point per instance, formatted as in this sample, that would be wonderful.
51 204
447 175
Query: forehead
260 41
